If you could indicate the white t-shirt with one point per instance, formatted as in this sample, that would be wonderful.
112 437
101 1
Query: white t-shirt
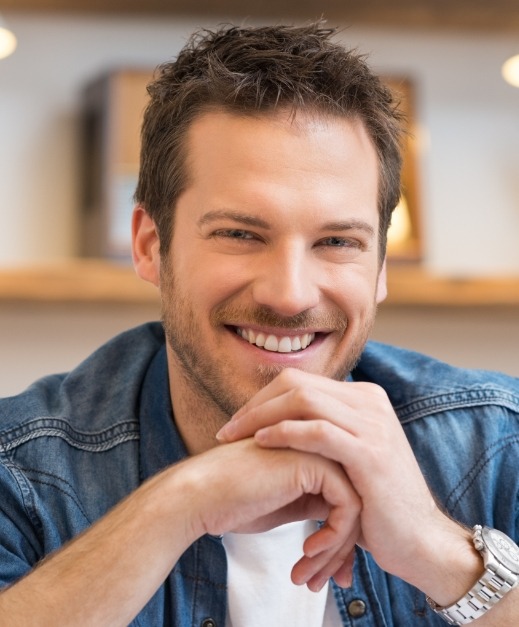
260 591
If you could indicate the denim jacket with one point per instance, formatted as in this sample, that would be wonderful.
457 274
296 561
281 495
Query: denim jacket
74 445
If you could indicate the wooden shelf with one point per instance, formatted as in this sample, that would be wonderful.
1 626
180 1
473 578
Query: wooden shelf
78 280
99 281
413 285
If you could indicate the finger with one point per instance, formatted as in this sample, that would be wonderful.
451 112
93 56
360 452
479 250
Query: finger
356 407
326 540
316 583
295 404
328 549
374 460
317 436
291 379
344 575
338 570
317 570
288 379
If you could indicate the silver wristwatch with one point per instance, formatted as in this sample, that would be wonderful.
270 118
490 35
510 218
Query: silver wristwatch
501 560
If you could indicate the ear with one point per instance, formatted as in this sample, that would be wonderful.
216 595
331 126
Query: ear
145 246
381 292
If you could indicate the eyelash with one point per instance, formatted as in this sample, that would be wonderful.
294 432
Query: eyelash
243 235
340 242
237 234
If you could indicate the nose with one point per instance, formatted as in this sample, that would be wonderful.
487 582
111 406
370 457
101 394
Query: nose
287 280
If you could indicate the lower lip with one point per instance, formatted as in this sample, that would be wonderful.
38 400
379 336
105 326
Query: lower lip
274 356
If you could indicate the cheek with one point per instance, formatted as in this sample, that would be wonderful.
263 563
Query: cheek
214 279
354 291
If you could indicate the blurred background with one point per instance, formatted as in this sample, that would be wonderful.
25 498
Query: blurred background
71 96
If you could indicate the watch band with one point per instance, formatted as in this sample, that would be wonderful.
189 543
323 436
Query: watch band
490 588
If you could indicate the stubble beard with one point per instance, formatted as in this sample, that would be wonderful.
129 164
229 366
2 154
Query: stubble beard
208 380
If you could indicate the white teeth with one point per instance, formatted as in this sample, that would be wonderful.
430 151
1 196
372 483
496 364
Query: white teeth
271 343
284 344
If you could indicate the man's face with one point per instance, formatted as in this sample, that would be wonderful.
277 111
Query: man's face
274 258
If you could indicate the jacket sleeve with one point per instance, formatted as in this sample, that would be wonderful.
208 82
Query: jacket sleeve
20 542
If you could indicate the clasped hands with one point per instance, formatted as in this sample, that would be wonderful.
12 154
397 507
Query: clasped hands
345 460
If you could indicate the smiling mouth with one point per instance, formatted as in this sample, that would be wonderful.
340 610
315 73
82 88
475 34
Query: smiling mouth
276 343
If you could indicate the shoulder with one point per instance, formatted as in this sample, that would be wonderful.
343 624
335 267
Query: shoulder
109 378
69 443
69 448
418 385
463 426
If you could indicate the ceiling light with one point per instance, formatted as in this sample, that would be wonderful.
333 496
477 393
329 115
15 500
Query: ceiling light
510 71
7 40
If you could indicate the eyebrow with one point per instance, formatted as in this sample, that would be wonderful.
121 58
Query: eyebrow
349 225
248 220
242 218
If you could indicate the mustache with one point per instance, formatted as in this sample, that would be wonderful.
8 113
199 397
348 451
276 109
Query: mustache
264 316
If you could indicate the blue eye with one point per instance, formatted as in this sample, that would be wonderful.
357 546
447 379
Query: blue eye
339 242
237 234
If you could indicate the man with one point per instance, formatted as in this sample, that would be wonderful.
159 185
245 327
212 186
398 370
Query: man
194 464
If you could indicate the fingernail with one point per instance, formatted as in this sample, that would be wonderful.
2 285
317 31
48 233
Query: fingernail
318 584
261 435
299 581
225 432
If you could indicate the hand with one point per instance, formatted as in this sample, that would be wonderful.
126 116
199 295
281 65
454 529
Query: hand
246 488
355 425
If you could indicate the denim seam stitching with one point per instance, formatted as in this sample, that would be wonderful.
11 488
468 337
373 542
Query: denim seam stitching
429 406
373 601
70 494
25 492
74 442
338 595
479 467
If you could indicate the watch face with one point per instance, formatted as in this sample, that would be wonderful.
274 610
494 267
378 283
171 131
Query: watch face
503 548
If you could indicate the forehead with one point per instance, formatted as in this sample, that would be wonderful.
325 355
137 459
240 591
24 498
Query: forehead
307 126
292 160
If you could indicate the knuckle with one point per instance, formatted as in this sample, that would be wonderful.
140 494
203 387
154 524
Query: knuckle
372 388
284 428
320 430
302 397
289 376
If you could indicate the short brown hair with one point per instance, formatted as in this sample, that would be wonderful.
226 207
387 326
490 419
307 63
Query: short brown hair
258 70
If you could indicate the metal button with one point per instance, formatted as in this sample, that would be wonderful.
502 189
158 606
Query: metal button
208 622
356 608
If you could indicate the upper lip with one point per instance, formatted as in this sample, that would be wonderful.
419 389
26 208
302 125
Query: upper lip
280 343
278 331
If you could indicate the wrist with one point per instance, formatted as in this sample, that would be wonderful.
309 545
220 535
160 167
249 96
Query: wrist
446 564
171 497
460 568
500 557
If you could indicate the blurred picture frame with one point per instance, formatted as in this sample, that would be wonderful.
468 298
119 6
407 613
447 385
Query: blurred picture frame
113 105
405 242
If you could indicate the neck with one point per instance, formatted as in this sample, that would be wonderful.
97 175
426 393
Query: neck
197 418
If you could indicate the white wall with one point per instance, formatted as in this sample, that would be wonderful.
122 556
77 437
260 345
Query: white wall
468 122
40 92
469 170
